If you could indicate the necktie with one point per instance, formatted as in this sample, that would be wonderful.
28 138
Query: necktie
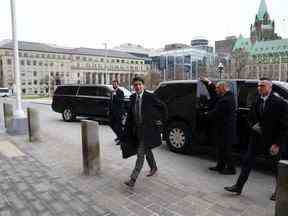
262 106
138 109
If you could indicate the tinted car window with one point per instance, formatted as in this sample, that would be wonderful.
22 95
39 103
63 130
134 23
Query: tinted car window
168 92
247 95
66 90
94 91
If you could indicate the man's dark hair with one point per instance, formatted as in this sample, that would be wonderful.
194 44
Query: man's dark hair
138 79
115 80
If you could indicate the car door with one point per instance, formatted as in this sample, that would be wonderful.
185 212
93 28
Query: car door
88 101
247 92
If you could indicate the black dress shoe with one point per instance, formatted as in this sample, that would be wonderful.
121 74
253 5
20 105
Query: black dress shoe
228 171
152 172
234 189
273 197
130 183
216 168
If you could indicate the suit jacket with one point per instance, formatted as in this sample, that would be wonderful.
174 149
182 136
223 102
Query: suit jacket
154 112
273 121
117 103
223 116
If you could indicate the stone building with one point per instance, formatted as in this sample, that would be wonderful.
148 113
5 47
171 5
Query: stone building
43 66
263 54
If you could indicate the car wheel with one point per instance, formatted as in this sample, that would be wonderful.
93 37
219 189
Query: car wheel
178 137
68 115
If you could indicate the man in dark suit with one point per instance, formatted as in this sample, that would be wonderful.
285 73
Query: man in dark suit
223 118
116 110
144 119
268 120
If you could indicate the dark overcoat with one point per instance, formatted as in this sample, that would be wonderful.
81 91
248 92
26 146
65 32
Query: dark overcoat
154 113
224 119
273 121
117 104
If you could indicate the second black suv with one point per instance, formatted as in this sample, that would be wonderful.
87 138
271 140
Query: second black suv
84 100
187 102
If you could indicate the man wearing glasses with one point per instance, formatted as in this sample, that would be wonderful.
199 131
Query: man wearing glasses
268 120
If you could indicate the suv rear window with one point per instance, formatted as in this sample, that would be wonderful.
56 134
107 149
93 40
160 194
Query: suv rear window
66 90
167 92
94 91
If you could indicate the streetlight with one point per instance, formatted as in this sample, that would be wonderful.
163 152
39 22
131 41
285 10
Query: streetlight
19 120
220 68
106 71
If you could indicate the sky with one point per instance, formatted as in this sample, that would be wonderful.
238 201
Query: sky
150 23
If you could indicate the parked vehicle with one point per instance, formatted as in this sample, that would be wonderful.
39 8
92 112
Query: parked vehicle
187 102
84 100
5 92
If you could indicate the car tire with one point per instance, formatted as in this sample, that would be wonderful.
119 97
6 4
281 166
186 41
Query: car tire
178 137
68 114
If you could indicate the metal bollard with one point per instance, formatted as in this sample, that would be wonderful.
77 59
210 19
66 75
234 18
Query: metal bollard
90 147
33 124
2 119
281 207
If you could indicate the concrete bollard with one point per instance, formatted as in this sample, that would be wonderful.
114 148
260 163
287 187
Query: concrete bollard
90 147
33 124
8 115
281 207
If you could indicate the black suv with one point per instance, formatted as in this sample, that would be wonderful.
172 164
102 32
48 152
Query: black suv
187 102
84 100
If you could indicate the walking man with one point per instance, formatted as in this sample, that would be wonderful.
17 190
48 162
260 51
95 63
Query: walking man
144 119
116 110
268 120
223 117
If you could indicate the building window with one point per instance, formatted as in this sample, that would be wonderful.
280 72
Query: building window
101 59
25 55
51 64
28 62
35 82
22 62
34 62
117 60
23 90
40 63
34 73
9 61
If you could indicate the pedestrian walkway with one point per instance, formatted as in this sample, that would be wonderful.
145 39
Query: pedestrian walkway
27 187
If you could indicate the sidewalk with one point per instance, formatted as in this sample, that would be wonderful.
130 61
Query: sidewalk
27 187
179 189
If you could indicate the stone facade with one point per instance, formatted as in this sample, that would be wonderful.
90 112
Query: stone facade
43 66
263 54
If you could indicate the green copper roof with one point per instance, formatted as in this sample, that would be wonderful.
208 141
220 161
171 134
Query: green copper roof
262 10
242 43
270 47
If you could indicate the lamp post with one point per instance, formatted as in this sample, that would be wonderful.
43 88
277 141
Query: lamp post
19 120
106 69
220 68
19 113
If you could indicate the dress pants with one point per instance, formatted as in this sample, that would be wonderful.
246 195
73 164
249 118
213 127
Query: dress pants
142 151
249 159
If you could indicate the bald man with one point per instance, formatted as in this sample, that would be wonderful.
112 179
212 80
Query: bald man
268 121
223 116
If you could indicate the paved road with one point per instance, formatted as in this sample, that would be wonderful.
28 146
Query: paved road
183 186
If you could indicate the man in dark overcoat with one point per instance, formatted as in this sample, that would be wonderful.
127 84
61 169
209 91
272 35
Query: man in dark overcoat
145 116
223 116
268 121
117 110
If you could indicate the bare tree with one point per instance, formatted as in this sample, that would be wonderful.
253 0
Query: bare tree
240 60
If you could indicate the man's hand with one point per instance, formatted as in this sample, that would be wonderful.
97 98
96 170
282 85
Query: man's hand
274 150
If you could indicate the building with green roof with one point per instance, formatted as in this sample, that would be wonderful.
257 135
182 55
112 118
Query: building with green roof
263 54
